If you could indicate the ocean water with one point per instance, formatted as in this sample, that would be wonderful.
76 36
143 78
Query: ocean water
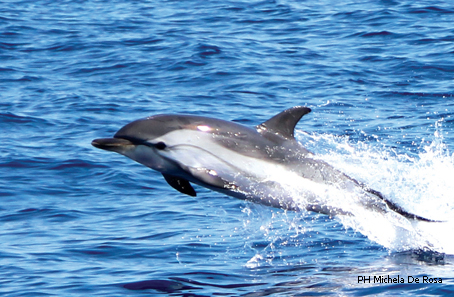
74 220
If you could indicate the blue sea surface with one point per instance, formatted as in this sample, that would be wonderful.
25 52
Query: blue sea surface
74 220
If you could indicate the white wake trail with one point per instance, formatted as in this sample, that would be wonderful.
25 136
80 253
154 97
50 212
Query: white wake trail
421 184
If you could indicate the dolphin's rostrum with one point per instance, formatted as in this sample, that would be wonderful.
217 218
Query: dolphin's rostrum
264 164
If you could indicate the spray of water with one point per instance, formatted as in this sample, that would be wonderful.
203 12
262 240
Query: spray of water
421 184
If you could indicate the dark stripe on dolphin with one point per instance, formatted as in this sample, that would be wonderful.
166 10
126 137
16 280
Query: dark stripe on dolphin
396 207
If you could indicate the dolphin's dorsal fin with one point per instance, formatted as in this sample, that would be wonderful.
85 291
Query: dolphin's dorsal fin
180 184
284 123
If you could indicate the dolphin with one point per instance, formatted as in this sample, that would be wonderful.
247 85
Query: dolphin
264 164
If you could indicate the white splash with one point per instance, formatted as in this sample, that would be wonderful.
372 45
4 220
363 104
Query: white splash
422 184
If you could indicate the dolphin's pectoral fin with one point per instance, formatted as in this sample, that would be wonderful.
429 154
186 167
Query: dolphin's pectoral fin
180 184
210 177
284 123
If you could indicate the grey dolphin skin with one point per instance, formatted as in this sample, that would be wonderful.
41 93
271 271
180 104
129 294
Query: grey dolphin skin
264 164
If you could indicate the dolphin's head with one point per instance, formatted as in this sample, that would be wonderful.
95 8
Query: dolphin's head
145 140
158 141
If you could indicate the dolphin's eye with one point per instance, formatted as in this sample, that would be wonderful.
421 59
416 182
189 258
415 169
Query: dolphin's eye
160 145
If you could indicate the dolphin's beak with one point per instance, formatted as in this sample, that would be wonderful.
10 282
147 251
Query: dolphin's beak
111 144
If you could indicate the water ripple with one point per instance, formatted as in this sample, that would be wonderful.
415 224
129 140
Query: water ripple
76 220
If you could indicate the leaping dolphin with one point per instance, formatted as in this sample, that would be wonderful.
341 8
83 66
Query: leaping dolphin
264 164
